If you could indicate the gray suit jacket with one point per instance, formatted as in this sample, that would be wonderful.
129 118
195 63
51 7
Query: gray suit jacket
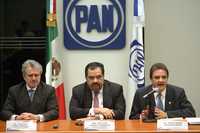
18 101
81 100
176 102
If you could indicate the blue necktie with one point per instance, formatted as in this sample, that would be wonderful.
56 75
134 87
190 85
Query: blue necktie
159 101
31 94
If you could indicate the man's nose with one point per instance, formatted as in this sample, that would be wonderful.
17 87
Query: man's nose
95 80
34 77
161 79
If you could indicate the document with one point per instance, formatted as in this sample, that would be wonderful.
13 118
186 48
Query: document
193 120
21 125
172 124
99 125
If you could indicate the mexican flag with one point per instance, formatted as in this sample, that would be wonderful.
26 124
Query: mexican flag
54 66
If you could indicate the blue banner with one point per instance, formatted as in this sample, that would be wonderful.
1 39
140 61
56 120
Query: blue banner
94 24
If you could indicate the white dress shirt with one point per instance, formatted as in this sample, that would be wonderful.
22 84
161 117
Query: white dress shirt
163 93
100 98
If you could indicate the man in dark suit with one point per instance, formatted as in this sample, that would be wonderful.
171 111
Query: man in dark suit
169 101
97 97
32 99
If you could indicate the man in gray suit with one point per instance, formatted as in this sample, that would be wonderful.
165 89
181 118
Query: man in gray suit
97 97
169 100
32 99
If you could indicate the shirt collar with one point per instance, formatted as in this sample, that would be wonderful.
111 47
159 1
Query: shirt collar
28 88
100 92
162 93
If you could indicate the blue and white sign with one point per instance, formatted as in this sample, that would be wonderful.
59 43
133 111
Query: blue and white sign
94 24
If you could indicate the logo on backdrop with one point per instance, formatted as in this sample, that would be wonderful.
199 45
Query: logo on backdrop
94 24
136 63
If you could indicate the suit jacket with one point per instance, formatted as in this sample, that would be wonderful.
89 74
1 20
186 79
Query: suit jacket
176 102
81 100
18 101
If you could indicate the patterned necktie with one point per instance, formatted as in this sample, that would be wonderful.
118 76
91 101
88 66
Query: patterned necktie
96 100
159 101
31 94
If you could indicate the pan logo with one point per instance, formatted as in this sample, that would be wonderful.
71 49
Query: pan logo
94 24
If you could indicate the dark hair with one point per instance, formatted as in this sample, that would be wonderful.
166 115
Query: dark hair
92 66
157 66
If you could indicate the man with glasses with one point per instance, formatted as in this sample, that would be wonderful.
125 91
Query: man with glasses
168 100
32 99
97 97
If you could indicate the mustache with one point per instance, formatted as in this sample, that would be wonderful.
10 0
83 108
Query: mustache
161 84
95 84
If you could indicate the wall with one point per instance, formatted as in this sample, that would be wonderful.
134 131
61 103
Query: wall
171 36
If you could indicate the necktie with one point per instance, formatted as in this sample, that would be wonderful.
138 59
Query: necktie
159 101
31 94
96 100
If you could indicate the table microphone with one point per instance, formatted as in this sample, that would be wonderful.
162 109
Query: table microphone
151 92
55 126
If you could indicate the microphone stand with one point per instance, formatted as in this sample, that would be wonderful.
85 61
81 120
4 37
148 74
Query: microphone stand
149 106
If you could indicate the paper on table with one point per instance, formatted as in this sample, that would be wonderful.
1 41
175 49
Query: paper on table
172 124
99 125
21 125
193 120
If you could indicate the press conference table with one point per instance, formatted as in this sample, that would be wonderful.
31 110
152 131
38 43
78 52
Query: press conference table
122 126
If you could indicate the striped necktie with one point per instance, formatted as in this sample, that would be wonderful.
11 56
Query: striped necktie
159 101
31 94
96 100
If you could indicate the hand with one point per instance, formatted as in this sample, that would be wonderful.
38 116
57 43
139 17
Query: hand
144 114
27 116
160 113
23 116
106 112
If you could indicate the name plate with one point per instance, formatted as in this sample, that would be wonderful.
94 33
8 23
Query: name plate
193 120
99 125
21 125
172 124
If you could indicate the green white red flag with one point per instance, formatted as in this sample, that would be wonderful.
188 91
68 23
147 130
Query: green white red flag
54 65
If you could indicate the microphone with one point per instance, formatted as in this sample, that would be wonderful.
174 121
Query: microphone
152 91
55 126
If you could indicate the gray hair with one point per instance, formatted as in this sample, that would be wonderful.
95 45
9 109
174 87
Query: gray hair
31 63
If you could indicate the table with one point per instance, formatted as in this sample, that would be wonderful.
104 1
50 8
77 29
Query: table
122 126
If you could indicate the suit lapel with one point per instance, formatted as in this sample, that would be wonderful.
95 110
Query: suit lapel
151 99
38 99
107 98
168 99
25 93
37 94
88 97
23 100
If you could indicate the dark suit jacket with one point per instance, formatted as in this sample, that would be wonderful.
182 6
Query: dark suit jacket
18 101
81 100
176 102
